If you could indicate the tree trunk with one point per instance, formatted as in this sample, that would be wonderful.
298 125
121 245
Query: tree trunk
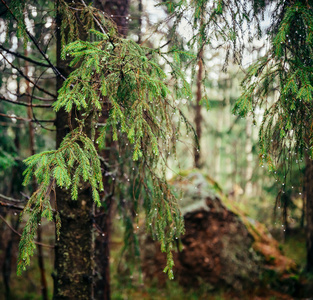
249 158
118 10
309 212
7 261
198 116
74 249
41 264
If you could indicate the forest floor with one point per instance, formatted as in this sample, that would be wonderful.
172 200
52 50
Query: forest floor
28 285
293 247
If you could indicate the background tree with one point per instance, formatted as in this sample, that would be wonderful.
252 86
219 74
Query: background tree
285 134
285 70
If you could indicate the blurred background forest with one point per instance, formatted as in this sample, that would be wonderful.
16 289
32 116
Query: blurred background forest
224 182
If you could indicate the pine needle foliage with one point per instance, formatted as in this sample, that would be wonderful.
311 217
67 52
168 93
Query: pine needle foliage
219 24
17 8
70 165
117 73
281 82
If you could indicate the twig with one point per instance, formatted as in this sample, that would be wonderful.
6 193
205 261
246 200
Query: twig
26 77
55 70
25 104
24 57
6 198
11 206
96 20
24 119
15 231
34 97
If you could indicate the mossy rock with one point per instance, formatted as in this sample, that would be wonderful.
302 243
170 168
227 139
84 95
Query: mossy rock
222 246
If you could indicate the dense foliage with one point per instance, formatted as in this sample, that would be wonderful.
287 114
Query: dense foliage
127 79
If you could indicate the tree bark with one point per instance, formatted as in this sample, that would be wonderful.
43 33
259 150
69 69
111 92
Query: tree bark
41 264
309 212
74 248
118 10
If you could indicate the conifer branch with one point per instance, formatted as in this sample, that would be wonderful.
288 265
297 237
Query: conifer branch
15 231
34 97
11 206
25 104
55 70
6 198
25 119
95 19
24 57
26 77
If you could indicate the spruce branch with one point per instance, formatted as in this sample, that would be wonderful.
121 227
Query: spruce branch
32 38
38 63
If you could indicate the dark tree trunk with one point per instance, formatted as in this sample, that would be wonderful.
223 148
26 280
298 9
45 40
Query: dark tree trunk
118 10
286 202
309 212
7 261
74 249
41 264
102 252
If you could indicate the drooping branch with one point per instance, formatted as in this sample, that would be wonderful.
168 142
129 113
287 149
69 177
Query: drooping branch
25 104
34 97
25 119
26 77
6 198
15 231
24 57
55 70
11 206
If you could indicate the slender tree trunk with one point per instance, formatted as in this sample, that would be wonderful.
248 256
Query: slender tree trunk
198 116
139 21
43 280
285 199
309 212
249 158
74 249
118 10
7 262
217 146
